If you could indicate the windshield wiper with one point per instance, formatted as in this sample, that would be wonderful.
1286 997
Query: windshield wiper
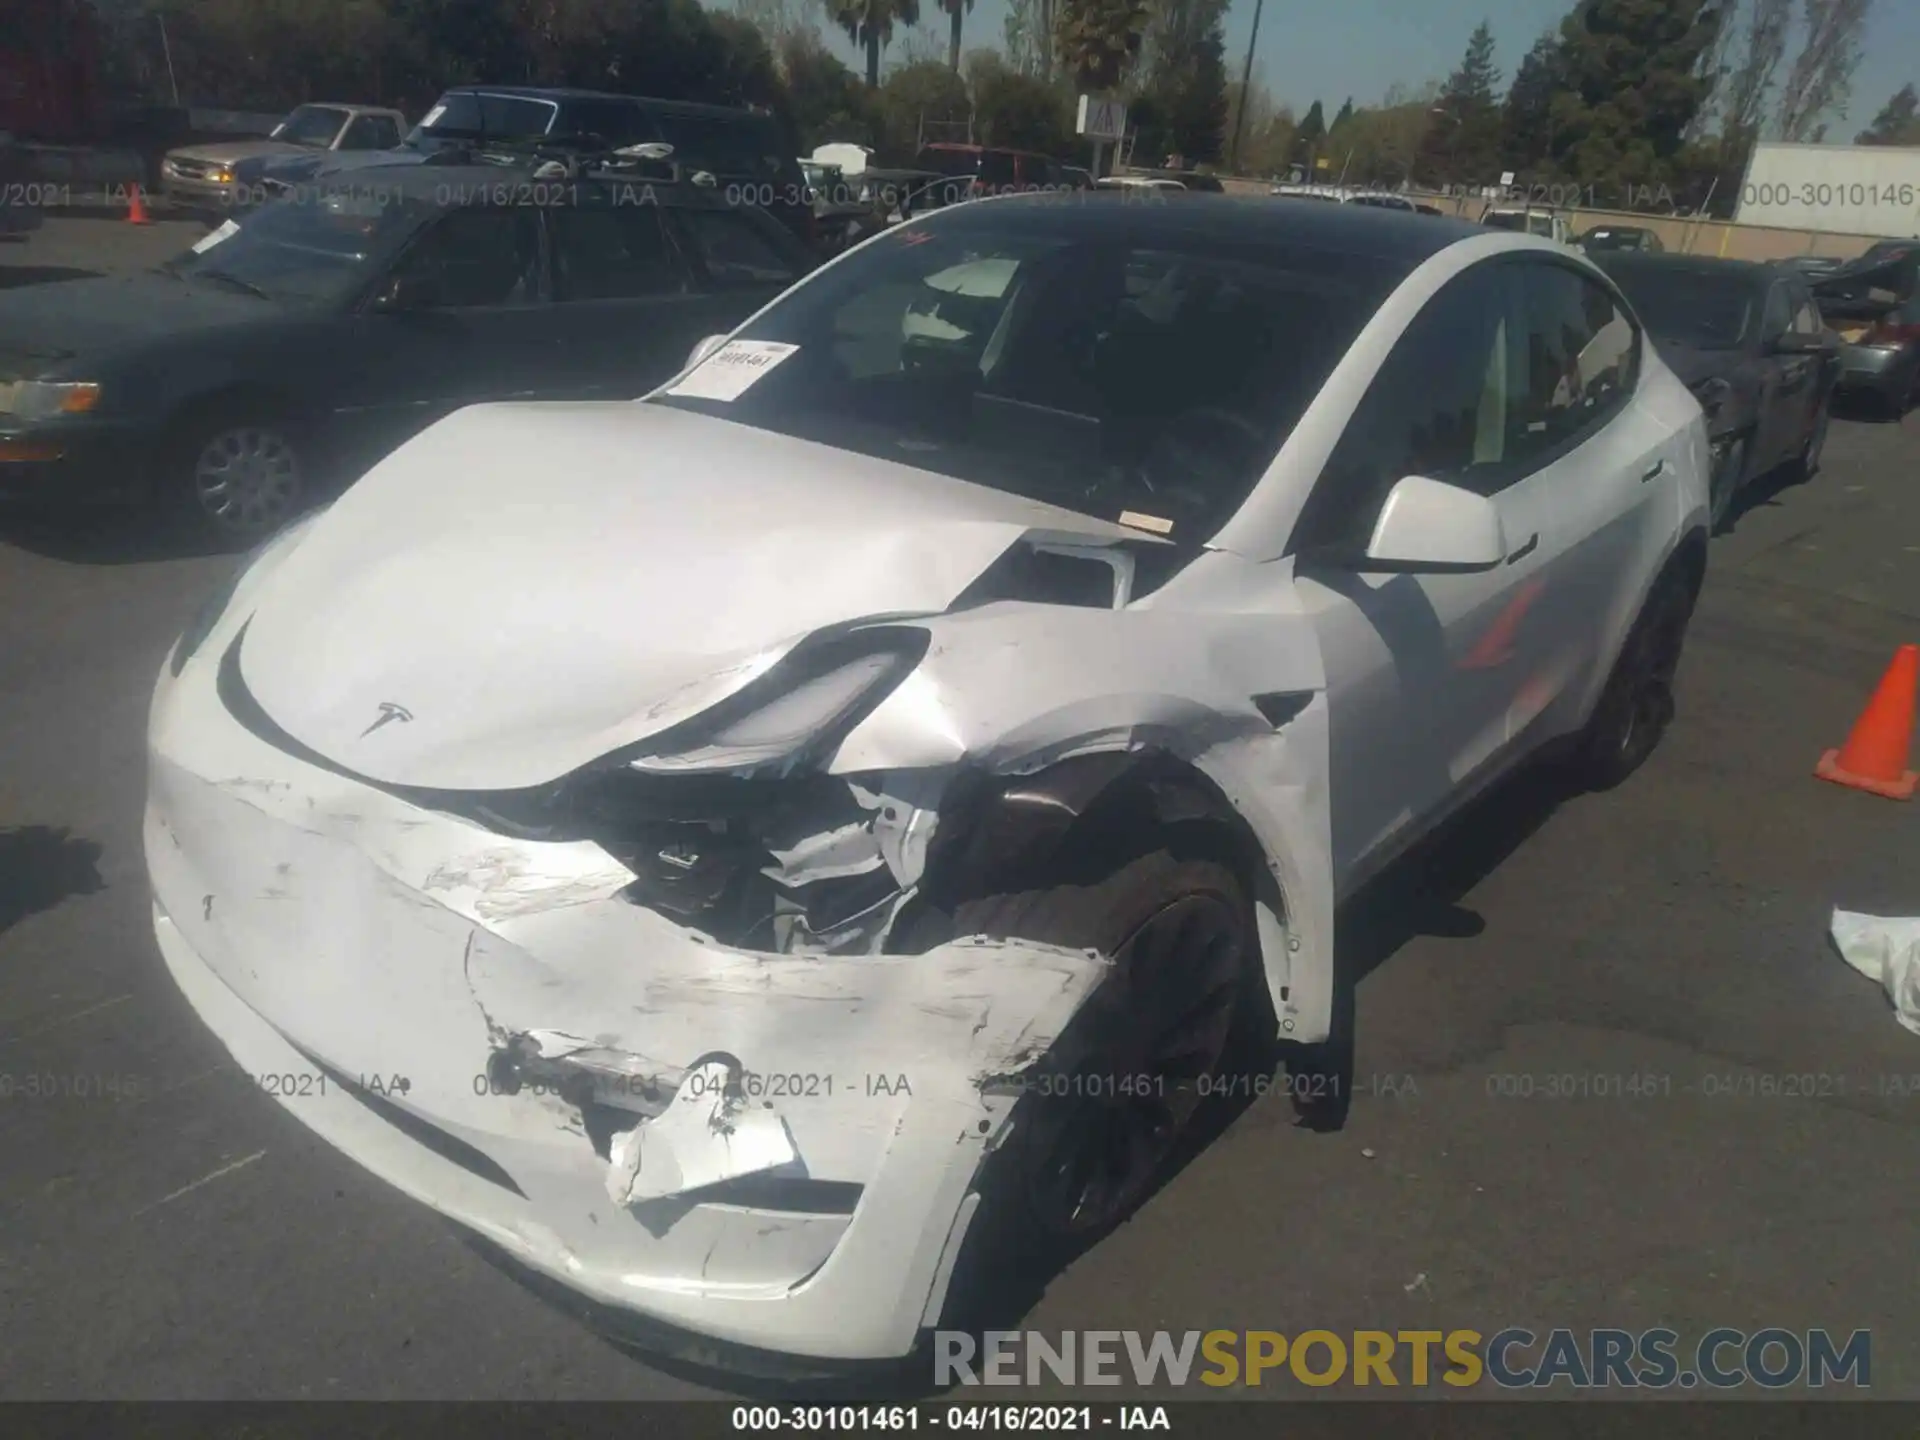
234 281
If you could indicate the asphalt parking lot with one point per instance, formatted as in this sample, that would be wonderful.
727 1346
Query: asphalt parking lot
173 1234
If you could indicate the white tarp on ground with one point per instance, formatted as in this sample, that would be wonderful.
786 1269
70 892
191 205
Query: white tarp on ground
1886 951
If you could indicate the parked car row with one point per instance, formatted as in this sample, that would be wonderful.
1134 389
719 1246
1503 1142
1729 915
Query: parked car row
286 352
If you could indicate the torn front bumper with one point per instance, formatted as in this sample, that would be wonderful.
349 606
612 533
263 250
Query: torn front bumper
794 1137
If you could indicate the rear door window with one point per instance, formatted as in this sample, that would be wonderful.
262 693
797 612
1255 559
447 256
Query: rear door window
740 248
998 170
478 257
613 252
370 132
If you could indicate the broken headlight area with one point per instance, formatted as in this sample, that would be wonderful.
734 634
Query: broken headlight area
796 864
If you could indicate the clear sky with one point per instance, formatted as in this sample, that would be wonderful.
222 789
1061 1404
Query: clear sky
1330 49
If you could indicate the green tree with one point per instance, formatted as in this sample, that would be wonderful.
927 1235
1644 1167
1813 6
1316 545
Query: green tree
1631 85
1898 122
923 99
1181 101
870 25
1464 142
1527 111
1098 40
955 10
828 101
1313 125
1821 76
1018 110
1345 115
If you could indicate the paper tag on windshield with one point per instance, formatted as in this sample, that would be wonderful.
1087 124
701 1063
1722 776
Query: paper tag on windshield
214 237
732 370
1152 524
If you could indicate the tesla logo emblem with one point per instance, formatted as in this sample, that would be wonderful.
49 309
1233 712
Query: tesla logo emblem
389 712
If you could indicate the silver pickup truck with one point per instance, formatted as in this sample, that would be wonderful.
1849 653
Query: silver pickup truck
229 174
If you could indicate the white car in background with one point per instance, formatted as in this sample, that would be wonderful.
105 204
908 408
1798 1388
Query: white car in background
772 855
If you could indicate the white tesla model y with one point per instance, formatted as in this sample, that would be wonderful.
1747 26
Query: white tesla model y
757 851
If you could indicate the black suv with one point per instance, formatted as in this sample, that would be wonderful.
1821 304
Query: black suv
282 355
746 152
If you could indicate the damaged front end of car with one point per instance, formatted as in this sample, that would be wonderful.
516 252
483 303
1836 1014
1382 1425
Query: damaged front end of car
689 1029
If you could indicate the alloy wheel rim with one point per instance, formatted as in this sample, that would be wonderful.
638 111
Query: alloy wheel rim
247 479
1106 1135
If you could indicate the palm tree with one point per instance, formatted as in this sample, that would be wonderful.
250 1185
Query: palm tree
869 24
955 9
1098 40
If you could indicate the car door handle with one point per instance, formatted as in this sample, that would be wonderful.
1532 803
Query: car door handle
1654 474
1525 550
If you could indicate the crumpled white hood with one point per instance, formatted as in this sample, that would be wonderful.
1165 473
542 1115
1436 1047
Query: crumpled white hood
539 584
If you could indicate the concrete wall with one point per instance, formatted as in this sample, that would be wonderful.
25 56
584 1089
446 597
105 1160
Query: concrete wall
1685 237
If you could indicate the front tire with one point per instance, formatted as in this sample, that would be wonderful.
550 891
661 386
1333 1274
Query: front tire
1637 706
241 476
1101 1118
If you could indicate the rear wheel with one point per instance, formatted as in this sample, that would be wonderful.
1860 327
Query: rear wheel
1637 705
1103 1115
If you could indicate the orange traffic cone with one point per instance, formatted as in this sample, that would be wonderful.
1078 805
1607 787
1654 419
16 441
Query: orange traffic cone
136 208
1875 756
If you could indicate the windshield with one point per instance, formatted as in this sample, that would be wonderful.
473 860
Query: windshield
464 113
1612 240
747 146
311 248
1059 362
311 125
1689 305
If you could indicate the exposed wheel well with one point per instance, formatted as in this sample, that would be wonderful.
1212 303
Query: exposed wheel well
1080 818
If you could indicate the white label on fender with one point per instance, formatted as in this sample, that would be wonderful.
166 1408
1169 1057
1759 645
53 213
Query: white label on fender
732 370
214 237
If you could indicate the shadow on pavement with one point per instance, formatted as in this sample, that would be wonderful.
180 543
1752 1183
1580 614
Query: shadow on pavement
107 537
12 276
1765 491
1866 409
1419 895
41 865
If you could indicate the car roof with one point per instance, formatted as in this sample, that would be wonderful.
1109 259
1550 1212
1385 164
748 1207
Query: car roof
1632 261
1400 236
558 94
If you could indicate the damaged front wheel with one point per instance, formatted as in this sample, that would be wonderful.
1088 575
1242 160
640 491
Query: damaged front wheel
1100 1119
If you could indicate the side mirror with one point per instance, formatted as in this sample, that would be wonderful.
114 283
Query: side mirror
1429 527
705 348
401 293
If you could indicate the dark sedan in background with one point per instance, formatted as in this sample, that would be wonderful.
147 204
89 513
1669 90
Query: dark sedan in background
283 355
1874 304
1620 239
1751 344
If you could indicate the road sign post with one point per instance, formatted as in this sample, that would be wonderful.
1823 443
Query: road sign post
1101 120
